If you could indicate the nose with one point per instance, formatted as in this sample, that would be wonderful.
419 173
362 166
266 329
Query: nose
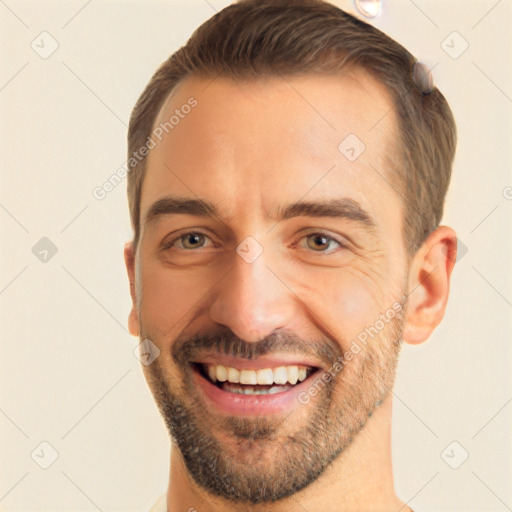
252 300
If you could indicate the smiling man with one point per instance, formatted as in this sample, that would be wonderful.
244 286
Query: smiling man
286 185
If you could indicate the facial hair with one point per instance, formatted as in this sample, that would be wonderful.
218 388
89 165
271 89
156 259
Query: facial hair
270 461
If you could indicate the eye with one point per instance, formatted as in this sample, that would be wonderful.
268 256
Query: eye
317 242
320 242
188 241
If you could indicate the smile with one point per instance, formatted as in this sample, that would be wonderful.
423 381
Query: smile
249 382
254 390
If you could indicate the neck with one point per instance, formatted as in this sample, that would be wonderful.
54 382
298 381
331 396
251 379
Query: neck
360 479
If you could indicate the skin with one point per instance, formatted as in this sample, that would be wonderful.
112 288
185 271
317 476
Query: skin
250 148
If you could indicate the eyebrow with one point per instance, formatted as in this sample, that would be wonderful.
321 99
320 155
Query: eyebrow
345 208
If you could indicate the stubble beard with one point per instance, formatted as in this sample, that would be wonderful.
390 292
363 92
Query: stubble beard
268 458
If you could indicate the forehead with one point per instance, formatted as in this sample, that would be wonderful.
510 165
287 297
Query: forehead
248 146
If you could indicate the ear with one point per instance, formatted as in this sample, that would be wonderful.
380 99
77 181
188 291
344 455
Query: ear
429 284
133 317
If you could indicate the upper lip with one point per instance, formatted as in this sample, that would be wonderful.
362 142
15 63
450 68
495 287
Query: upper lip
273 361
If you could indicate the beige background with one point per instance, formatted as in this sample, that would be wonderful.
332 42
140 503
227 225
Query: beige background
68 374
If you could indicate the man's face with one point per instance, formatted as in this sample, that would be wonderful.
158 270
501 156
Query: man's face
297 293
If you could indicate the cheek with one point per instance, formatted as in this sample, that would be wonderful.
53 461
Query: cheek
354 303
342 301
353 307
167 297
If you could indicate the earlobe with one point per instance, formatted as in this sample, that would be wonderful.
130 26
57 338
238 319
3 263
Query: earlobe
429 284
133 317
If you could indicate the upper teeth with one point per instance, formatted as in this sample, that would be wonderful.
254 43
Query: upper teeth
279 375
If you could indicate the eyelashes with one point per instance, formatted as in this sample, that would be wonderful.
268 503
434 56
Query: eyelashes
189 236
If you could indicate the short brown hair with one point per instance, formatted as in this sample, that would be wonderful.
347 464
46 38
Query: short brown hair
264 38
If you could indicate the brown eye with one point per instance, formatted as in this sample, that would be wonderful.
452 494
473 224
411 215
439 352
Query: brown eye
320 242
188 242
192 240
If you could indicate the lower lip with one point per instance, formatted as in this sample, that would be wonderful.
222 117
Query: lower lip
246 405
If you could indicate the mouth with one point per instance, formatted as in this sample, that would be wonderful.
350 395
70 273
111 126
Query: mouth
253 390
